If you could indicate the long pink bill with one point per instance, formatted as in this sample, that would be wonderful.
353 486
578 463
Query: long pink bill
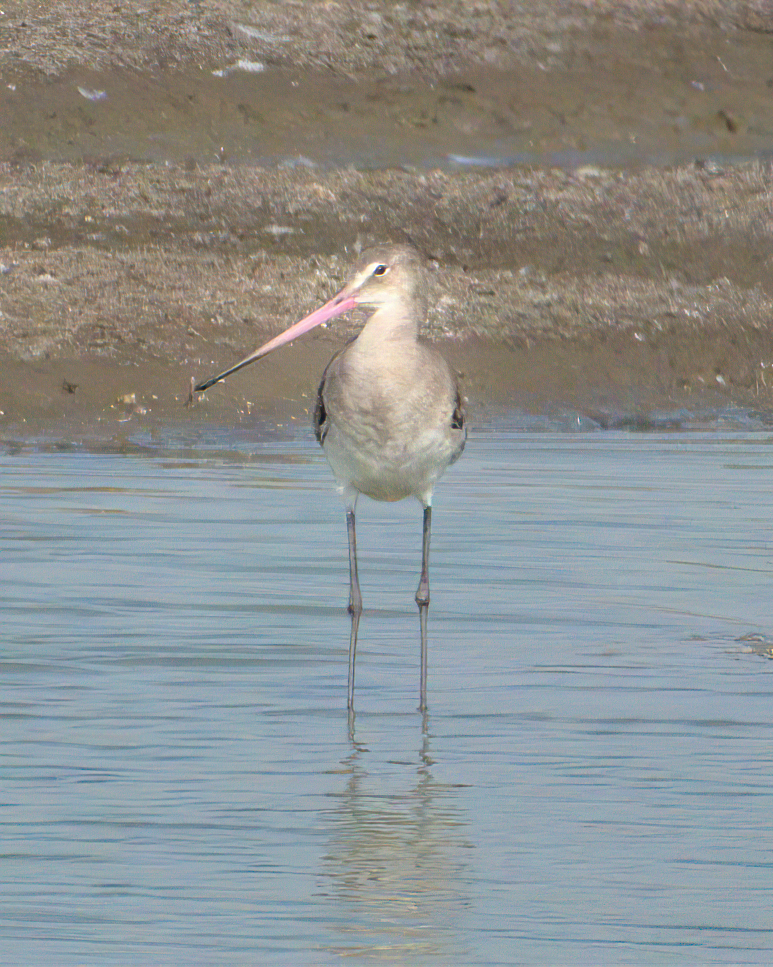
337 306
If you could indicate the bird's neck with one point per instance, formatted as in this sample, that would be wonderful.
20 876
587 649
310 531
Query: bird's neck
394 322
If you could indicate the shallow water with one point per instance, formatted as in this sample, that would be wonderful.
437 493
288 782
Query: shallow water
591 783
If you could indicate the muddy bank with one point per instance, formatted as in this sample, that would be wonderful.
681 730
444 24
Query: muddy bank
349 38
601 91
639 288
138 247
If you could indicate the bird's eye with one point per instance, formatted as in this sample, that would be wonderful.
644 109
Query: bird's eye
381 270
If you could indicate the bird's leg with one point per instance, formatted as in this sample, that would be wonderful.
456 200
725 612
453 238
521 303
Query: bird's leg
355 600
422 599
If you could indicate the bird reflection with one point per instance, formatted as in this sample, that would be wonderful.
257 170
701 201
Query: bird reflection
397 863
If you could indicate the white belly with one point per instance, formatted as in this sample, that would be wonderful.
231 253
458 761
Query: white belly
407 465
389 429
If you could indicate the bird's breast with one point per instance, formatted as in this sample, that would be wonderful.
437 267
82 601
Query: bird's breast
390 430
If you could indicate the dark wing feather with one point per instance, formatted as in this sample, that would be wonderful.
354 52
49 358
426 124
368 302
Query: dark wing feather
459 422
320 414
321 422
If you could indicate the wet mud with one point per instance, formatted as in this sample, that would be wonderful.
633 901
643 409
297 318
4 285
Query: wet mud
592 190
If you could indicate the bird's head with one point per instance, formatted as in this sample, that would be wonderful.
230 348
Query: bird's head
388 275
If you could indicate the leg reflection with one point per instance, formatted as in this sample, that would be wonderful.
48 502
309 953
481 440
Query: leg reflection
390 821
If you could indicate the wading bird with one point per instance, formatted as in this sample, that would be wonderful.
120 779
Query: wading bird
389 413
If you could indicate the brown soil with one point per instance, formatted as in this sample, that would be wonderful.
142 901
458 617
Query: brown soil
611 286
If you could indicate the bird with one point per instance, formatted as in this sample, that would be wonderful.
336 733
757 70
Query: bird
389 414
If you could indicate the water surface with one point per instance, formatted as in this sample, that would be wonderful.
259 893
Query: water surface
591 783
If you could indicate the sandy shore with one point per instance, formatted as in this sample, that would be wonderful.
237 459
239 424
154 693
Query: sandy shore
610 287
352 38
